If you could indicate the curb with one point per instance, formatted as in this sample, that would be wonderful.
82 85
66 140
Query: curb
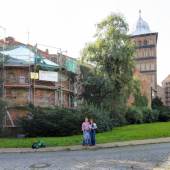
79 147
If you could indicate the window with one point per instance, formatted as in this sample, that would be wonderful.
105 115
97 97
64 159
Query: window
147 66
151 51
145 42
145 53
142 67
139 43
21 79
152 66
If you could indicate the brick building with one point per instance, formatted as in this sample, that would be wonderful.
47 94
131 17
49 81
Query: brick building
144 87
29 75
161 93
166 91
146 52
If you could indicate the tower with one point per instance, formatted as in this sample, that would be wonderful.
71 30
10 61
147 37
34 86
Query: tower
146 56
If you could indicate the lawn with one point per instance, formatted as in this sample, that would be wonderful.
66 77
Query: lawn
125 133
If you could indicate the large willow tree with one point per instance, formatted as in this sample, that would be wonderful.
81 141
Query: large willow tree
112 55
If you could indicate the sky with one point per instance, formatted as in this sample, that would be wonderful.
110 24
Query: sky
70 24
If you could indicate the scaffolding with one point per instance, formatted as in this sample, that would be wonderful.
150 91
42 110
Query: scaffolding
60 59
12 85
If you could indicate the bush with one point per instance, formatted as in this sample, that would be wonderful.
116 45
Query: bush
118 119
157 103
63 122
150 115
2 113
164 115
134 115
52 122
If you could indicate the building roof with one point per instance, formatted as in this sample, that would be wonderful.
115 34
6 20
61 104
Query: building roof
142 27
18 54
22 54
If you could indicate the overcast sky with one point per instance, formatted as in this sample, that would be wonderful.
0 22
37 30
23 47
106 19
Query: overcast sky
69 24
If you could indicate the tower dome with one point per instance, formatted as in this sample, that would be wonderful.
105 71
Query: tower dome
142 27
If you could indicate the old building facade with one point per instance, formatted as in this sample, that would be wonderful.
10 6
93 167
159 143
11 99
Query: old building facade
31 76
166 91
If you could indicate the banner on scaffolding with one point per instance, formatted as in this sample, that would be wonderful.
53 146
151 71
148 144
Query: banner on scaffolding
34 76
48 76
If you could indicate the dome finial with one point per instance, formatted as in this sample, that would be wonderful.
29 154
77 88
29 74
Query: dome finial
140 13
142 26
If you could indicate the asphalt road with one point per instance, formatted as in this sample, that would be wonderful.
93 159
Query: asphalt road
144 157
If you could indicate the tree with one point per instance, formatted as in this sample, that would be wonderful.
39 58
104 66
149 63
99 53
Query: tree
139 99
95 87
112 55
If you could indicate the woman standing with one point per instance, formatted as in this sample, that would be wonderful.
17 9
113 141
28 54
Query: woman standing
86 132
93 128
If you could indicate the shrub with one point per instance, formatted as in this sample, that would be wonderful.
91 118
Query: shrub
2 113
52 122
157 103
63 122
150 115
134 115
118 118
164 115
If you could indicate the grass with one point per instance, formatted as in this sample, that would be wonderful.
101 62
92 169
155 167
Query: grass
125 133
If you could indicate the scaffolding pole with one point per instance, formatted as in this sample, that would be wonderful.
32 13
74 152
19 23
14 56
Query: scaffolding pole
59 50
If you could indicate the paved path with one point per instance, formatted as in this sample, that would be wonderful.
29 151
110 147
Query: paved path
143 157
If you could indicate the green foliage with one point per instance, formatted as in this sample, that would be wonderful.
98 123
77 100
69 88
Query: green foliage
96 90
164 111
52 122
140 100
62 122
134 115
164 114
157 103
149 115
111 53
2 112
118 118
141 115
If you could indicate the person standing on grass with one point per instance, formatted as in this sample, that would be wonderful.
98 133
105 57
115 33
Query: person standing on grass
93 128
86 132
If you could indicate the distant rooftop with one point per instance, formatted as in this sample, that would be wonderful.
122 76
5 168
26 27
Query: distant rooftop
142 27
